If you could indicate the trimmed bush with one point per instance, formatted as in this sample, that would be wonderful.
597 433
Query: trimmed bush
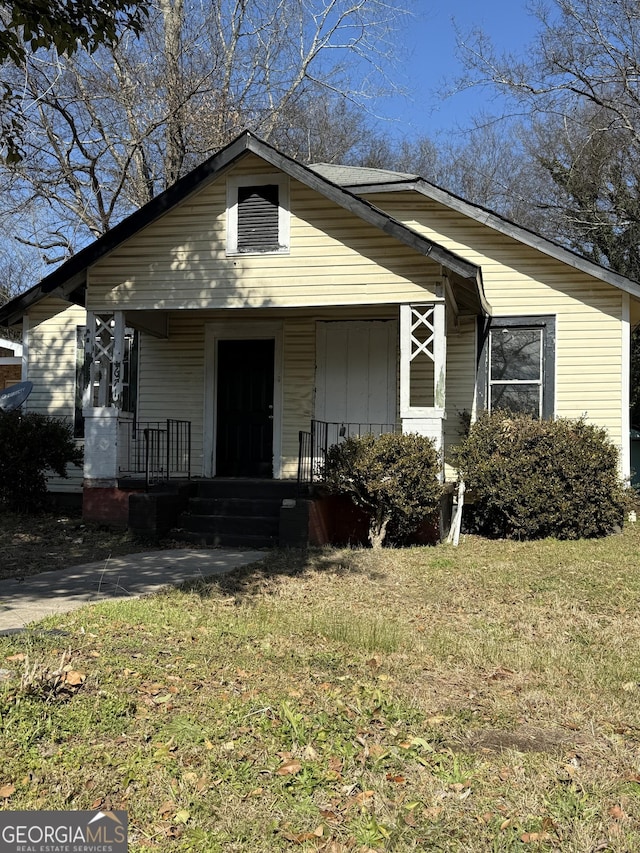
393 477
532 479
30 446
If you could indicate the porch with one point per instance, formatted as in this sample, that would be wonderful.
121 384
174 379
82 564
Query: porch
225 512
260 397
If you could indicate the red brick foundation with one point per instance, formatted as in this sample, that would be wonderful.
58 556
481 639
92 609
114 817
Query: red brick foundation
335 520
108 505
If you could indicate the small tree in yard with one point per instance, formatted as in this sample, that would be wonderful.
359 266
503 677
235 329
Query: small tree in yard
532 479
31 445
392 477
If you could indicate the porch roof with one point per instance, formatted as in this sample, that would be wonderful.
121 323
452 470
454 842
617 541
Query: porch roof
69 280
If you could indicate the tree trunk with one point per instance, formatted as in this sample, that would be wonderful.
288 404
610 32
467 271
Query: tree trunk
378 529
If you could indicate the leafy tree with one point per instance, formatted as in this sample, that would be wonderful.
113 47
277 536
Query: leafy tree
27 26
393 477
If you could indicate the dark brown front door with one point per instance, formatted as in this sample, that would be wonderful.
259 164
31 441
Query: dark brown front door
244 425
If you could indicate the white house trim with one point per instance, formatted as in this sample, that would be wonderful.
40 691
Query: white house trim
625 443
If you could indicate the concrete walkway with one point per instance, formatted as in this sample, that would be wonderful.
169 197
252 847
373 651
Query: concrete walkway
33 598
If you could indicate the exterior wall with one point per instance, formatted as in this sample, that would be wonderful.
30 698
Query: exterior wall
179 262
51 345
520 280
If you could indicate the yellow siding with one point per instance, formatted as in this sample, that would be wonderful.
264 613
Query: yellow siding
299 364
460 394
171 379
179 262
52 346
520 280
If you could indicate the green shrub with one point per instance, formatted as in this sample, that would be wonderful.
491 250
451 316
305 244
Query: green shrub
31 445
393 477
531 479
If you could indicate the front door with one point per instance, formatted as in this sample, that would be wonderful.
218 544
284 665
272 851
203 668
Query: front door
244 409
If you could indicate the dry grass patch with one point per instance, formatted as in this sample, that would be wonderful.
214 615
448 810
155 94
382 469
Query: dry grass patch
42 543
479 698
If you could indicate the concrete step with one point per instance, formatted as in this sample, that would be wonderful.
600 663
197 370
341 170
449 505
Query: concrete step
248 507
248 489
225 540
259 525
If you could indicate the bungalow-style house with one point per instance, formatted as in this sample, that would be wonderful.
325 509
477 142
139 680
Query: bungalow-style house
260 309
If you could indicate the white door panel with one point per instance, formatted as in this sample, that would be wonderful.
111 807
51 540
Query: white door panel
356 372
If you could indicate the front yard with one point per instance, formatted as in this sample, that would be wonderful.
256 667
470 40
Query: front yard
470 699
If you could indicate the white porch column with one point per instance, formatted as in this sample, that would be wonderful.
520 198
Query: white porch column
423 369
104 348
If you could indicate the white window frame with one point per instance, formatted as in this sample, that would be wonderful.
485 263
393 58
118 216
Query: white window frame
234 182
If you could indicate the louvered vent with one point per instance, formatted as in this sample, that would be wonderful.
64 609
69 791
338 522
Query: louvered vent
258 218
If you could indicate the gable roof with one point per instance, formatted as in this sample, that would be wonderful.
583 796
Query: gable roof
69 280
355 178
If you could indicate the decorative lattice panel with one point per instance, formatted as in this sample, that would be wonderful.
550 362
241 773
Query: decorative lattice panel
422 332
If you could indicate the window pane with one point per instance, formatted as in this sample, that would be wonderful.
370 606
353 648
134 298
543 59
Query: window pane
523 399
515 354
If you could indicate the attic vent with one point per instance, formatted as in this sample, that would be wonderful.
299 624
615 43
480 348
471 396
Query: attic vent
258 218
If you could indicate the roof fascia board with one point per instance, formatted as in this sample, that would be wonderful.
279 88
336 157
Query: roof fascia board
510 229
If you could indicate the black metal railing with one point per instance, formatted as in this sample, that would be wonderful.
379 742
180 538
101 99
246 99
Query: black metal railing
313 445
155 450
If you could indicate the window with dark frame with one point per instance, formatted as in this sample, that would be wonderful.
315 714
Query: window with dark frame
516 369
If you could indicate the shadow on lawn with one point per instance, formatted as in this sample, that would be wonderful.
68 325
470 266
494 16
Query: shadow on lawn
266 576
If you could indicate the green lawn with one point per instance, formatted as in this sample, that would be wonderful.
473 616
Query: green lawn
471 699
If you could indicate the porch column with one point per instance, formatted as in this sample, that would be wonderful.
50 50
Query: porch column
104 348
422 369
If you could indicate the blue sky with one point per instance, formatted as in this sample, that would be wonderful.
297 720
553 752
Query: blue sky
430 42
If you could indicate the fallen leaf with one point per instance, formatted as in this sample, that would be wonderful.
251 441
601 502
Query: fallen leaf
74 678
7 790
532 837
167 808
433 813
289 768
399 780
616 813
18 657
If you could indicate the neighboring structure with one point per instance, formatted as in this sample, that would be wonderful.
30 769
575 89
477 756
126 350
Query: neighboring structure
10 363
258 294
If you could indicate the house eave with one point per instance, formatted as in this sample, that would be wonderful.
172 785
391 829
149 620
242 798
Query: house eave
510 229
